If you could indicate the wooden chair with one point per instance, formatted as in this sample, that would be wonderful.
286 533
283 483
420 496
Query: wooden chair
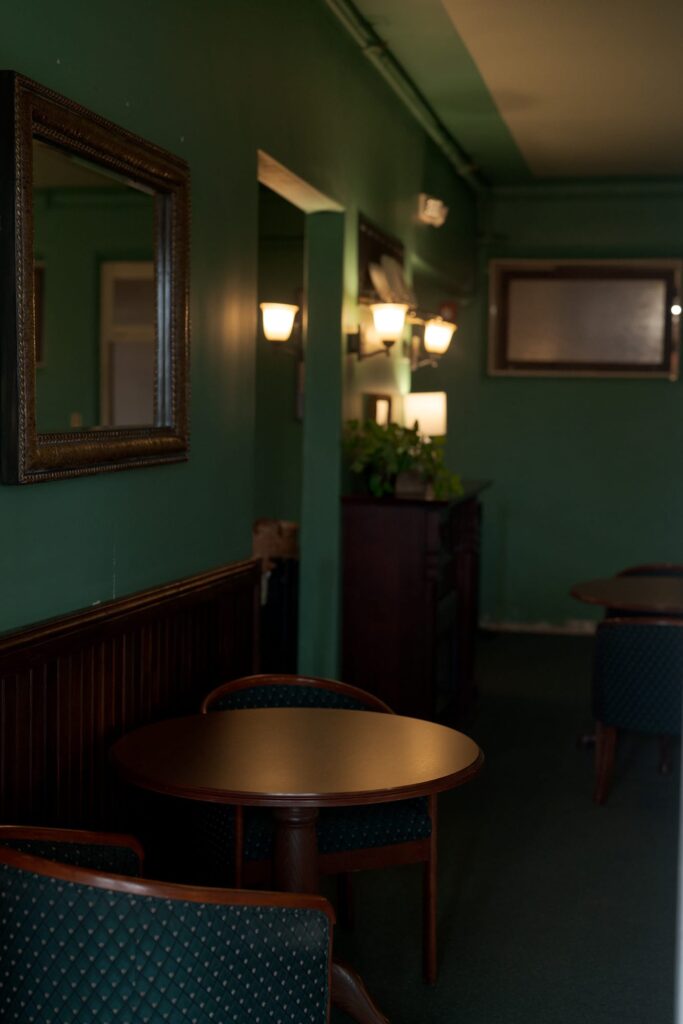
637 684
100 851
349 838
85 946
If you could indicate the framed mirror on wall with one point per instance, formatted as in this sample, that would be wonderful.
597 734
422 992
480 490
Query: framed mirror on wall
94 249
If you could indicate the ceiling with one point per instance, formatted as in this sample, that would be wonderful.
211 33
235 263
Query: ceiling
546 90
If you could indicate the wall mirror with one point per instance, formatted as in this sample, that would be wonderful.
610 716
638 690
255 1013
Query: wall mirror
94 240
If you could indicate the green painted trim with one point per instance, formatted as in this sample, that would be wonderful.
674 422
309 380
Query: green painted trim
319 577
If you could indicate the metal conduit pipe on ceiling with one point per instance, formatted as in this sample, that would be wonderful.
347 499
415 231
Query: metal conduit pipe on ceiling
372 47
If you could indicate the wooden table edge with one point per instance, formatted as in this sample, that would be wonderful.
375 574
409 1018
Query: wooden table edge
247 799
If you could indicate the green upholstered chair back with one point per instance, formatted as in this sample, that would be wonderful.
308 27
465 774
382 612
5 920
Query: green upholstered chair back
638 675
114 853
290 691
84 947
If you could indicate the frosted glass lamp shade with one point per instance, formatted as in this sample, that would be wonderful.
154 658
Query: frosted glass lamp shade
429 409
389 319
278 320
438 334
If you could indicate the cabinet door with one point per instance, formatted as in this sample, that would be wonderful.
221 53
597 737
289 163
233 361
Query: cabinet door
388 604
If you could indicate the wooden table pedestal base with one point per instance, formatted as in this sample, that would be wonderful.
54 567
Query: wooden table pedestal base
296 870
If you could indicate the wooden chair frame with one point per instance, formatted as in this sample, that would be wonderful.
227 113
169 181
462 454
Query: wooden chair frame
606 736
420 851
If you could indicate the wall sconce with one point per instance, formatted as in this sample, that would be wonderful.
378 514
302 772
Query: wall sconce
278 320
438 334
388 323
436 341
429 410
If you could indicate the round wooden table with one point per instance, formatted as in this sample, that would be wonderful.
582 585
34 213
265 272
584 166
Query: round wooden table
296 760
651 595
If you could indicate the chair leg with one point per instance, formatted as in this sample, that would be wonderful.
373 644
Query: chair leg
605 749
429 904
345 899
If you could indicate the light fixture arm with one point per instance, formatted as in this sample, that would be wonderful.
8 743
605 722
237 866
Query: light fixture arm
354 347
420 363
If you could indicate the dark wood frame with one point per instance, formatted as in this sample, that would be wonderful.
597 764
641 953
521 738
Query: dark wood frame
420 851
28 111
505 271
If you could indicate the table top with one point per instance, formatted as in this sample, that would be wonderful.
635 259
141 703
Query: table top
296 757
653 594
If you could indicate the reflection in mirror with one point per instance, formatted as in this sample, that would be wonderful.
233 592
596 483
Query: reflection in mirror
95 295
94 311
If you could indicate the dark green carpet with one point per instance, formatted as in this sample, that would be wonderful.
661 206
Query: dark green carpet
551 909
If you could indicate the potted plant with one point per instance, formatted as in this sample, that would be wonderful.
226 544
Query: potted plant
394 460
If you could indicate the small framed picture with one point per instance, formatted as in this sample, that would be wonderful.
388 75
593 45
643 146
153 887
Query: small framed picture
378 408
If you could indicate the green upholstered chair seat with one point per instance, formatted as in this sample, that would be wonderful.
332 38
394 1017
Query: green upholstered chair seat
78 953
115 859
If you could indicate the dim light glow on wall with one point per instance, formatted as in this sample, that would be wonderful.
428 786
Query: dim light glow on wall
428 409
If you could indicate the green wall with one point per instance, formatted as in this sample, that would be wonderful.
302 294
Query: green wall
585 472
213 82
278 433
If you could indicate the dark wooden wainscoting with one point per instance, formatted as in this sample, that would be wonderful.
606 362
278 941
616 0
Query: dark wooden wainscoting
69 687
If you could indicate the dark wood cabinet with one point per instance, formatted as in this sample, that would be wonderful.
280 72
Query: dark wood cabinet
410 601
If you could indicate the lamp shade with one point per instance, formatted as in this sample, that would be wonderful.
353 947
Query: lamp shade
429 409
389 319
278 320
438 334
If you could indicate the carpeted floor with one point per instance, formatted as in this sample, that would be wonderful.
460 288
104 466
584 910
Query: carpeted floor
551 909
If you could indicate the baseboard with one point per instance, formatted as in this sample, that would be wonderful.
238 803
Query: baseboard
570 627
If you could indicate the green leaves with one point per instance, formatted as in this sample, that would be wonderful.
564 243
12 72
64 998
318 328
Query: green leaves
377 454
